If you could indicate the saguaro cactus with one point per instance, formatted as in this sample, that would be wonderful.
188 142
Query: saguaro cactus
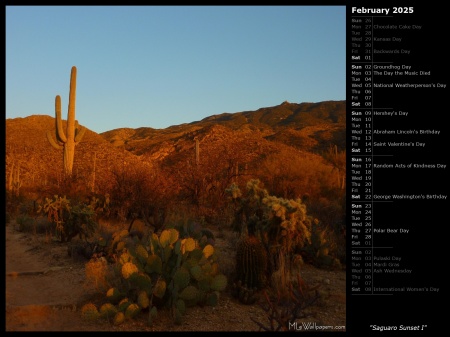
14 183
74 134
197 151
11 178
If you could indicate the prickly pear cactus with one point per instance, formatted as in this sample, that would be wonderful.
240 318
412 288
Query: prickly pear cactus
132 311
165 271
124 304
107 311
113 295
143 300
128 269
90 312
119 318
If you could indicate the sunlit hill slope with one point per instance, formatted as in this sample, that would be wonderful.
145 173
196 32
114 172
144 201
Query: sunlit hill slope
307 129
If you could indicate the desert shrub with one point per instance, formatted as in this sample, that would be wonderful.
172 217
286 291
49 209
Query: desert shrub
322 249
42 225
282 309
98 273
13 203
140 192
70 220
291 176
25 223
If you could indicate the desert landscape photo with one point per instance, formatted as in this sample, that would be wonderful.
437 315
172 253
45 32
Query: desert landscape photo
225 221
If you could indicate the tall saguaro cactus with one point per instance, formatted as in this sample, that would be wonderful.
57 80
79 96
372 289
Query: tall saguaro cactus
73 135
14 183
197 151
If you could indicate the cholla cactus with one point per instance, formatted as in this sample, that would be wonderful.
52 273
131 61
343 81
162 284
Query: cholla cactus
73 135
279 226
276 221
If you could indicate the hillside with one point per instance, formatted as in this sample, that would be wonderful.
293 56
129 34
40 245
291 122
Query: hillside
41 164
306 128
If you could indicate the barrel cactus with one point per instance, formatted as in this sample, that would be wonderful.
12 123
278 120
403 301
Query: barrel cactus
251 268
251 262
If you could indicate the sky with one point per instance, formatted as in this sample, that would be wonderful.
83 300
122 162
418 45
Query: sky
157 66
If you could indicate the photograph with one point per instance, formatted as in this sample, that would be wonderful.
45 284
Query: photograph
225 168
175 168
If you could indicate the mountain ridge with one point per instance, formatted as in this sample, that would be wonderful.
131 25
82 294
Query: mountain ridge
294 127
268 120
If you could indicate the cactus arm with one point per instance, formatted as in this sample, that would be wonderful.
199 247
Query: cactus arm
53 142
59 130
79 133
72 97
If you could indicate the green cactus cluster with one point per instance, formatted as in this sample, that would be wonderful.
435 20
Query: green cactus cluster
163 270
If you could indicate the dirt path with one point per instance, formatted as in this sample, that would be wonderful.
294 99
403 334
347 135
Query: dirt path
44 286
45 289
